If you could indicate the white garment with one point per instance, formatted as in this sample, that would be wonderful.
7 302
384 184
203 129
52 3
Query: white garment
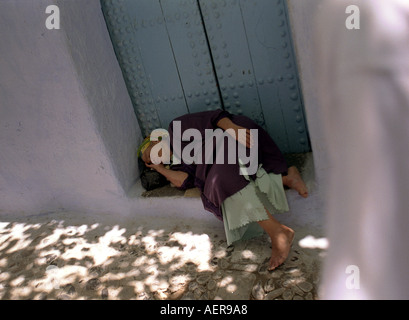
364 95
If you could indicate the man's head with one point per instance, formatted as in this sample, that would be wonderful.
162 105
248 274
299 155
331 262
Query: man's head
146 154
156 149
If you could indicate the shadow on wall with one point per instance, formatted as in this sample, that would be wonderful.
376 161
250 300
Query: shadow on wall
52 258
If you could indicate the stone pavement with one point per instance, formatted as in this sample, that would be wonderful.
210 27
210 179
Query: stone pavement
69 256
241 273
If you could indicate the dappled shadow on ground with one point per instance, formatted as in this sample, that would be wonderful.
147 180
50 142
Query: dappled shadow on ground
51 258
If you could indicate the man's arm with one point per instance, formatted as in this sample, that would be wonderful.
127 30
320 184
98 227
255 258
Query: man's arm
233 129
175 177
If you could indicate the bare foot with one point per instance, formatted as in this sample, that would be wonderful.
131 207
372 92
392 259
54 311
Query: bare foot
294 181
281 245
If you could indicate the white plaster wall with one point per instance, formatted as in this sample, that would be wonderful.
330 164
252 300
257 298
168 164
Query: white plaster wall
302 17
68 134
100 77
364 82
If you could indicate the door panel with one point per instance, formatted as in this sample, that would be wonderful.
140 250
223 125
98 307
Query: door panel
233 65
269 38
250 40
141 42
191 53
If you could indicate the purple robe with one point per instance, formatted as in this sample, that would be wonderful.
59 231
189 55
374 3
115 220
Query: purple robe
220 181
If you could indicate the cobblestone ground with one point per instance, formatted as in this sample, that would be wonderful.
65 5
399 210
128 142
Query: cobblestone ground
60 259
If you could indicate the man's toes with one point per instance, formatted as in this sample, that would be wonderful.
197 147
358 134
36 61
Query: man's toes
304 194
275 263
272 266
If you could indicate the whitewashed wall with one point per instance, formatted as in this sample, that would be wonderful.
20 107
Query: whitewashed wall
68 134
302 17
363 90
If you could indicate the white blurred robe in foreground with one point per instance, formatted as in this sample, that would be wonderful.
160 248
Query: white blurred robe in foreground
364 95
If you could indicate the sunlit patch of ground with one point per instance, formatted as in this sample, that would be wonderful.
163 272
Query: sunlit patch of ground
56 259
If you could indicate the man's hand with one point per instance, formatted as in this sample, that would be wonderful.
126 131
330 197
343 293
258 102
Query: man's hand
240 133
175 177
157 167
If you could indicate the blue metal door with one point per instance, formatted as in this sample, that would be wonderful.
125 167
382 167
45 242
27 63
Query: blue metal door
184 56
